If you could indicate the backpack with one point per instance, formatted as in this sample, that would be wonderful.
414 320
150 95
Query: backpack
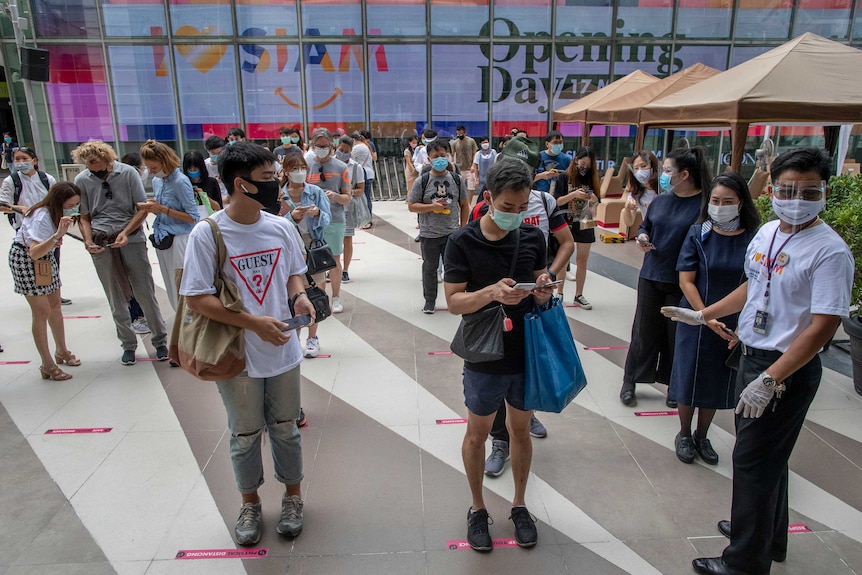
16 180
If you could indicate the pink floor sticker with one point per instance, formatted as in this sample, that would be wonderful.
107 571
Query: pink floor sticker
452 421
81 316
222 553
606 347
498 543
440 353
655 413
24 362
798 528
75 430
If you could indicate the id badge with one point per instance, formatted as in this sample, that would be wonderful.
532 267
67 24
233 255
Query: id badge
761 322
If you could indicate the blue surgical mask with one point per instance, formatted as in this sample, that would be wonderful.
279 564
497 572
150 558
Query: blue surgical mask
232 142
664 182
556 149
506 220
285 140
294 139
7 140
71 212
194 174
440 164
214 158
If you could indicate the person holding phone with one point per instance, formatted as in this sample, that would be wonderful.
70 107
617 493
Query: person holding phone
206 188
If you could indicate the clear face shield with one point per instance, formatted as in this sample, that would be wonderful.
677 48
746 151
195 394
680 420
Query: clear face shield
810 191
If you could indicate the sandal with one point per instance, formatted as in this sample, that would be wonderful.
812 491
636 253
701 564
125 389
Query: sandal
54 373
68 358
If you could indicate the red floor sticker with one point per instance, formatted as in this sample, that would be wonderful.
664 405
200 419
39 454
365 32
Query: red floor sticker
146 359
498 543
606 347
655 413
81 316
451 421
14 362
222 553
74 430
798 528
440 353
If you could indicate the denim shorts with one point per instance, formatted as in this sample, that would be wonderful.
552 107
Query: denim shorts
484 392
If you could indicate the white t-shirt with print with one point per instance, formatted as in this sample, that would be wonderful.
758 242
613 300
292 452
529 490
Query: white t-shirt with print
35 228
812 275
643 201
261 257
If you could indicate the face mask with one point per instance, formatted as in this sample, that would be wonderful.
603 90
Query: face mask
722 214
232 142
294 139
194 174
556 149
297 176
7 140
71 212
643 176
266 196
25 167
100 174
343 156
664 182
440 164
460 136
796 212
507 221
583 171
160 174
321 152
486 145
285 140
213 158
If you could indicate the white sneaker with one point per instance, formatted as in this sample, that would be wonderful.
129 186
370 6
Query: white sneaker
570 276
312 347
140 326
337 306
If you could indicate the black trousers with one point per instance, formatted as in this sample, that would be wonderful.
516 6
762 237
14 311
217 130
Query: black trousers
758 515
650 356
432 250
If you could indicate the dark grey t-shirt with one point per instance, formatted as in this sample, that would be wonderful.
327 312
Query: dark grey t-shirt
438 225
112 215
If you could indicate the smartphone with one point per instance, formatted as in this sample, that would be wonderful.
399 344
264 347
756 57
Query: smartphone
645 244
729 332
530 286
296 322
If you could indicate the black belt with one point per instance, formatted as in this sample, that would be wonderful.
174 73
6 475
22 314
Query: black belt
754 352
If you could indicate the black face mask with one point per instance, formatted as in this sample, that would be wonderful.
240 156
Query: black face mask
266 196
460 136
100 174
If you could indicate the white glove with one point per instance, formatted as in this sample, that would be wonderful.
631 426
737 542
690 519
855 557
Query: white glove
683 314
643 243
754 398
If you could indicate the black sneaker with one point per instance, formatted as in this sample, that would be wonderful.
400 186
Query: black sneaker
162 353
345 278
477 530
128 357
429 308
703 447
684 448
525 527
671 403
64 301
302 421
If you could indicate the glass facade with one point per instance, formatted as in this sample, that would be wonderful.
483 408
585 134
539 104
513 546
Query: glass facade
180 70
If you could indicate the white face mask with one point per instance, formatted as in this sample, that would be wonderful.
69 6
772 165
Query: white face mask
797 212
643 176
485 145
722 214
25 167
321 152
297 176
160 174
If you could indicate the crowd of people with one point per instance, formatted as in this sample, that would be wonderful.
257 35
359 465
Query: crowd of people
755 305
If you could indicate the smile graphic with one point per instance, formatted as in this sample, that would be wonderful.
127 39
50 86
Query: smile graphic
320 106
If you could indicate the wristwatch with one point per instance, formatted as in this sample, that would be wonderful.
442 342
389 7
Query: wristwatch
552 274
769 382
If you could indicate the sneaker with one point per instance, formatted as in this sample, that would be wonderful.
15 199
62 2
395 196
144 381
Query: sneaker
140 326
337 306
478 535
128 357
302 421
162 353
570 275
345 278
536 428
525 527
496 462
327 277
312 347
582 301
439 277
684 448
290 523
417 238
671 403
703 447
64 301
429 308
247 528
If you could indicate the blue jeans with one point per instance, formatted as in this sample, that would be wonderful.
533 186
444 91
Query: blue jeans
369 187
255 403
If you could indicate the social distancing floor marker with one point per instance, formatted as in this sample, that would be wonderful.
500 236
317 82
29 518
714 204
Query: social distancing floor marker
258 553
81 316
451 421
798 528
606 347
446 352
76 430
656 413
498 543
22 362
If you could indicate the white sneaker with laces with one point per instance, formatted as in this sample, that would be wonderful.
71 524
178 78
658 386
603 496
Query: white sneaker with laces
337 306
312 347
571 276
140 326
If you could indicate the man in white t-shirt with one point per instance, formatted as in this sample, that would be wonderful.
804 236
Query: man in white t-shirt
265 260
799 280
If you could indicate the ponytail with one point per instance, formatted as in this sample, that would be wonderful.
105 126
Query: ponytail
693 160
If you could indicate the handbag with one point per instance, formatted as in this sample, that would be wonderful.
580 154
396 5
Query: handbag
207 349
165 244
319 257
318 298
479 337
42 270
554 374
357 214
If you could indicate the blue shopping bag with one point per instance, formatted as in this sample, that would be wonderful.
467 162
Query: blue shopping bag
554 375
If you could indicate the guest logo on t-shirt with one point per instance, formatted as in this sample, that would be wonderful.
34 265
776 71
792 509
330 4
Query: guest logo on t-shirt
255 269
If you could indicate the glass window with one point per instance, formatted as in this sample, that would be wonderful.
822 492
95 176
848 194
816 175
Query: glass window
656 59
335 90
526 16
72 18
712 56
269 18
703 19
588 18
206 79
459 18
460 88
331 17
78 95
744 54
579 70
193 20
763 19
857 24
133 18
828 18
271 88
397 88
646 19
396 18
520 86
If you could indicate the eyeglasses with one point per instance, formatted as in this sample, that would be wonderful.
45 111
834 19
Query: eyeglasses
322 175
668 170
108 193
810 191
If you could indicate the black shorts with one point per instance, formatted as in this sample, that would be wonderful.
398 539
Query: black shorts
582 236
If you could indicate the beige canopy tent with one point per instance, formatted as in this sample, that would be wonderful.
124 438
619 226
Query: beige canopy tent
809 80
579 110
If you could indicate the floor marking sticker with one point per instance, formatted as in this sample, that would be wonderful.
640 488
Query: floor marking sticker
655 413
498 543
75 430
606 347
451 421
23 362
441 353
259 553
798 528
81 316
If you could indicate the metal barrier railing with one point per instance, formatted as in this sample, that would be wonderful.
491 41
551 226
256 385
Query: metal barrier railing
389 181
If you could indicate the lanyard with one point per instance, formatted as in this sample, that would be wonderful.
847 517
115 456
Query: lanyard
770 263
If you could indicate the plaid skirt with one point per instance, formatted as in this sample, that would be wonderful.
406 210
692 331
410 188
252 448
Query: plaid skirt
24 275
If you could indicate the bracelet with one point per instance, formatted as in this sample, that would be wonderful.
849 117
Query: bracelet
295 296
168 213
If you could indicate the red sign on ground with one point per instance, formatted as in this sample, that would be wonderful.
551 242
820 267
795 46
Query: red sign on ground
74 430
14 362
440 353
655 413
222 553
498 543
452 421
798 528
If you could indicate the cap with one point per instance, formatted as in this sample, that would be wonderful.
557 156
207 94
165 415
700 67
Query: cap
524 149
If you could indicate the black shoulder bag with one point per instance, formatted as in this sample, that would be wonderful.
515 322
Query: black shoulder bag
318 298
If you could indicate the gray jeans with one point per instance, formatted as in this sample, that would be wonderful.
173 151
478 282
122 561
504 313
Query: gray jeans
141 280
255 403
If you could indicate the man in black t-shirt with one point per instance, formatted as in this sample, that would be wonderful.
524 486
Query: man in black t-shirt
478 260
